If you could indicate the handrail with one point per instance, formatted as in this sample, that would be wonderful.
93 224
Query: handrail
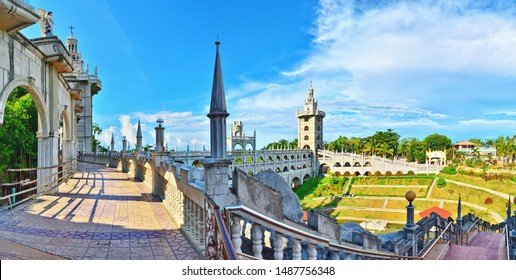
294 232
435 242
221 228
37 168
24 183
478 219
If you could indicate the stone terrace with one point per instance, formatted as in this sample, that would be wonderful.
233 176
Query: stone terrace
98 214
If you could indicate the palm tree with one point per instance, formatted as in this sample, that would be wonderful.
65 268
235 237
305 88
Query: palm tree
371 146
385 149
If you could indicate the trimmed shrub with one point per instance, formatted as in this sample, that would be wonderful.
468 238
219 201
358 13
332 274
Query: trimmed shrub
441 183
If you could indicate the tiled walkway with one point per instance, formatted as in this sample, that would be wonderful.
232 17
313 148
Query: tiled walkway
484 246
99 214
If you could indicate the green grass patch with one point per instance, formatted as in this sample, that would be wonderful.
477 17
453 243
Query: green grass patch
505 186
387 191
393 180
474 196
321 187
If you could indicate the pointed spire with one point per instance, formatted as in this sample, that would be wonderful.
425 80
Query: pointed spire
218 112
459 210
139 130
509 208
112 142
139 137
218 98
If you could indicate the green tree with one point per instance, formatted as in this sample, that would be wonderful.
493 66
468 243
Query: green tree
437 142
96 131
18 142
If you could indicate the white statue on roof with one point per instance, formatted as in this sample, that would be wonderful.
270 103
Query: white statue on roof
46 23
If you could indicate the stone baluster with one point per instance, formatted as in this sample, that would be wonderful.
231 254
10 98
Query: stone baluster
335 256
194 217
188 212
182 207
256 236
296 255
200 223
312 253
236 233
278 246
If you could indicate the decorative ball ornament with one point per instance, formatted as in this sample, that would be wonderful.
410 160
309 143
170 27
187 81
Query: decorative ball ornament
410 196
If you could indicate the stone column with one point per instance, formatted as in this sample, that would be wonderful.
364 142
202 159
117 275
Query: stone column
158 156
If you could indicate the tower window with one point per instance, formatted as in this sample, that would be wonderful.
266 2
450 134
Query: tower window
306 137
306 128
318 137
318 128
306 119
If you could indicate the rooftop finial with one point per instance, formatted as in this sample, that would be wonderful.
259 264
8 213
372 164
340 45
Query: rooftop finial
71 31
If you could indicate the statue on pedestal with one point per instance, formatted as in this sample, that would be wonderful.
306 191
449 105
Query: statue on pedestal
46 23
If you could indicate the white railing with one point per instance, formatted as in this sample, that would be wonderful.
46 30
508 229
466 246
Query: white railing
429 248
279 231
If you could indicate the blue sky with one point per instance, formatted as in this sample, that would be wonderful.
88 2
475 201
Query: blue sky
418 67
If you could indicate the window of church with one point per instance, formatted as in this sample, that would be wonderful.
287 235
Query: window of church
306 128
306 137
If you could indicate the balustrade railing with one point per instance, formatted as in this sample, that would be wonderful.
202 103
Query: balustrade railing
300 243
217 238
38 186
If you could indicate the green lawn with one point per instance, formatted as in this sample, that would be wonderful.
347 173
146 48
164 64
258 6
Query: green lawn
504 186
474 196
387 191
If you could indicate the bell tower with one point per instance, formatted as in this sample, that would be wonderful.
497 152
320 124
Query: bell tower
310 124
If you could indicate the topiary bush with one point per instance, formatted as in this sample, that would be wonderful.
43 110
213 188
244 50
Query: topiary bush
441 183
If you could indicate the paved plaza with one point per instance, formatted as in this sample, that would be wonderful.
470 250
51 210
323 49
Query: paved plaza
100 213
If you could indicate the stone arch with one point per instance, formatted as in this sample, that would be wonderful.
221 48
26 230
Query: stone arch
250 172
292 167
269 158
292 157
237 147
306 177
285 169
304 166
367 164
197 163
278 158
388 173
347 173
347 164
304 155
285 157
307 138
337 164
367 173
337 173
357 173
323 168
260 159
249 147
306 128
37 97
410 172
278 170
357 164
399 173
378 173
306 147
295 182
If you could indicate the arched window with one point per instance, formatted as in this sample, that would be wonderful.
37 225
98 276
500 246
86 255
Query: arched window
306 137
318 137
318 128
306 128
